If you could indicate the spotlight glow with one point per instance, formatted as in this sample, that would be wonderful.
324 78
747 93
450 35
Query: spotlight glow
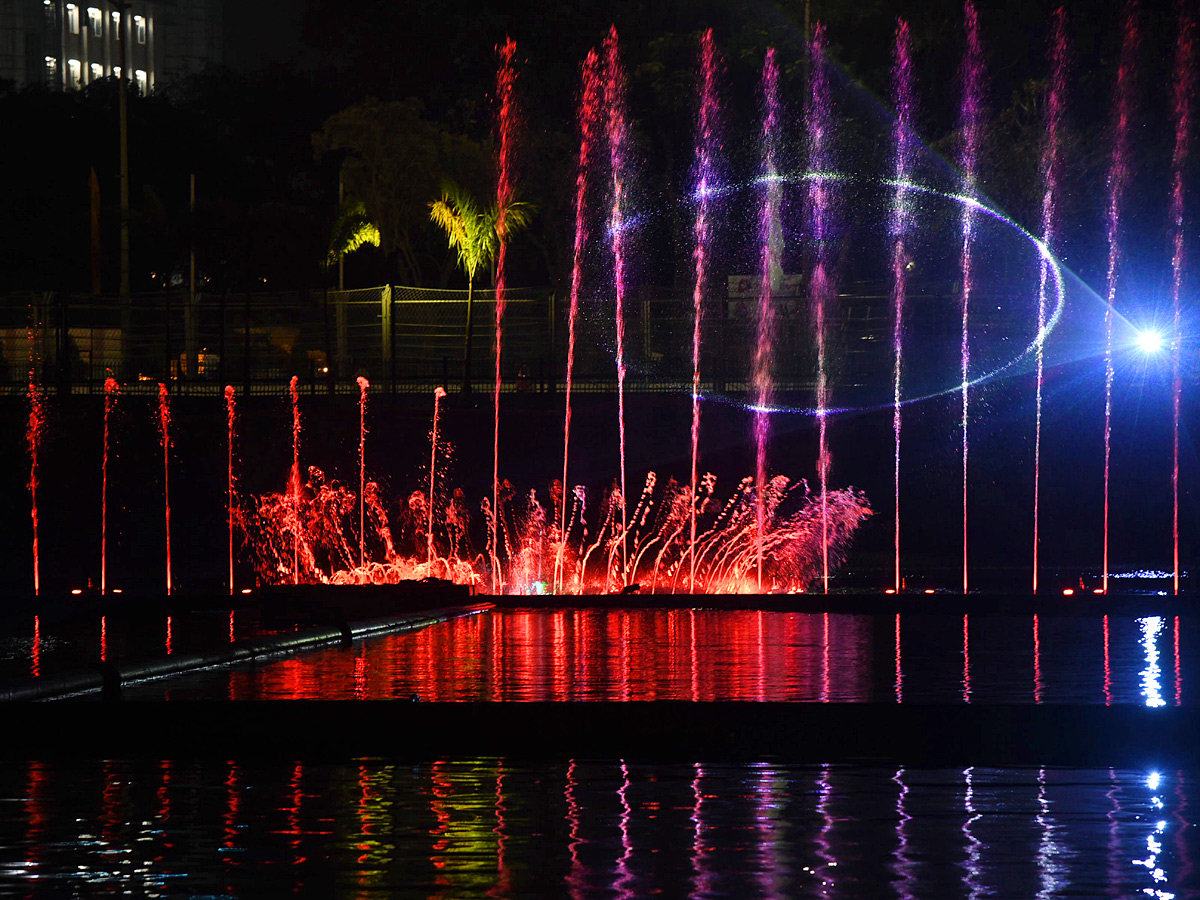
1150 341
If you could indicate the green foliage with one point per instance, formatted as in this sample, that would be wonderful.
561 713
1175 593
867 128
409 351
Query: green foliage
351 230
393 159
471 229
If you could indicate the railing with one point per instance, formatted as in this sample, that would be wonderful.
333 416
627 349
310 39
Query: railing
408 339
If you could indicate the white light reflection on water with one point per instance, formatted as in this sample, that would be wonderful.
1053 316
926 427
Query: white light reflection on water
1154 841
971 863
902 864
1152 675
1050 869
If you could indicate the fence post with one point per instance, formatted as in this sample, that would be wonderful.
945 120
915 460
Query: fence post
391 335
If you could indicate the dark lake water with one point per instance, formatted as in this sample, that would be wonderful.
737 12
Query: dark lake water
648 654
498 828
612 828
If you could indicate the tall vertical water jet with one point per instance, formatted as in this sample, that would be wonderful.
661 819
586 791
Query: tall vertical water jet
438 394
1185 76
971 127
819 118
294 482
230 409
111 389
1050 165
589 114
504 191
703 180
618 134
164 432
33 441
904 148
1118 180
363 386
771 236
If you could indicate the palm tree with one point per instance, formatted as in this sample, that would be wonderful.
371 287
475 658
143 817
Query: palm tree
351 230
471 230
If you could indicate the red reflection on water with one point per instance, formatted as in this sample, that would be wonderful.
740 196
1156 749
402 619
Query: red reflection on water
501 888
574 877
593 654
35 660
1178 671
440 789
1107 668
966 660
1037 662
103 639
168 642
233 804
899 669
163 794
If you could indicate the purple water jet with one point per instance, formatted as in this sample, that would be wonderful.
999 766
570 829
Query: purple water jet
904 143
771 236
1050 164
618 134
1118 180
1185 77
703 180
971 126
819 116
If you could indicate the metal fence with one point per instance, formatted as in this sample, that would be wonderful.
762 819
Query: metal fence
408 339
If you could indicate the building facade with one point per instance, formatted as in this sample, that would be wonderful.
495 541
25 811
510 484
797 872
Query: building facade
68 44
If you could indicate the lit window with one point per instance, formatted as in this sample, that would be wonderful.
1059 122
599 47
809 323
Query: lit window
73 18
139 29
51 68
95 22
51 14
95 71
115 28
74 72
116 71
139 76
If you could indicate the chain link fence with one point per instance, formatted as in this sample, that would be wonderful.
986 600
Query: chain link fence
407 339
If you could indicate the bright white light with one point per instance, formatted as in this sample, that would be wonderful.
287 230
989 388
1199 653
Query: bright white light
1150 341
1153 780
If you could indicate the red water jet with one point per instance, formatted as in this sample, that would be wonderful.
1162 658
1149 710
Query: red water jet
589 113
294 483
164 429
230 410
504 194
438 394
111 389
